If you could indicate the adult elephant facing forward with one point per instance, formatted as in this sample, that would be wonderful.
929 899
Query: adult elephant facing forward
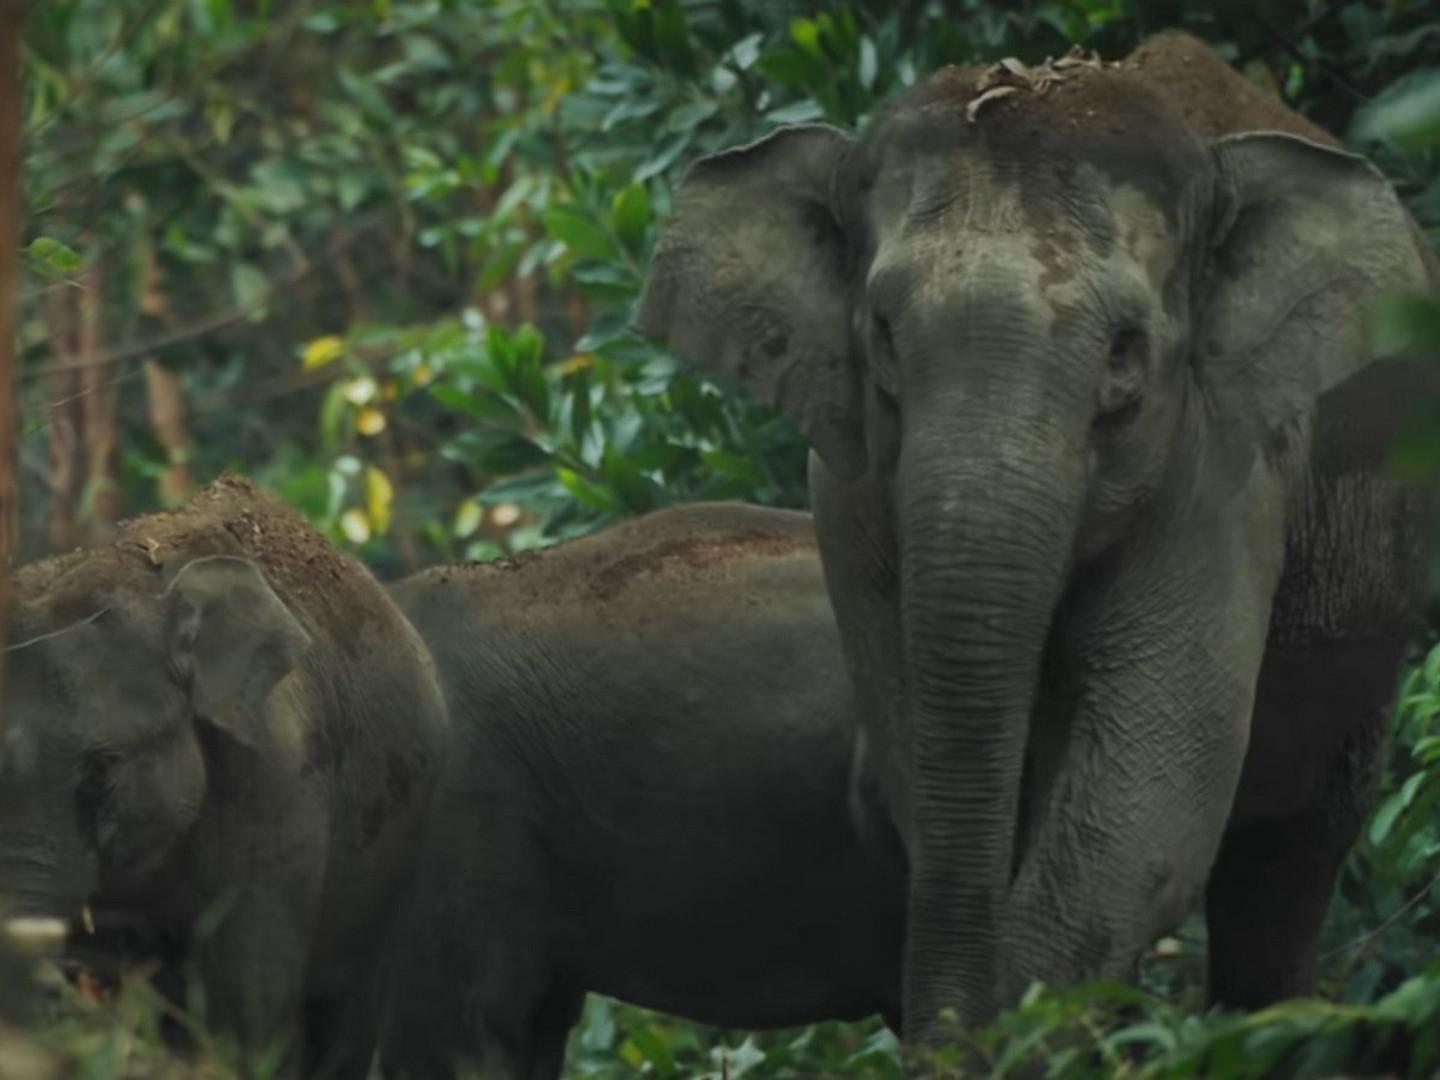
1122 581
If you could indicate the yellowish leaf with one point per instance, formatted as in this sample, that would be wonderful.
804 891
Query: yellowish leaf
355 525
379 496
361 391
556 94
468 516
423 375
505 514
370 421
322 350
574 363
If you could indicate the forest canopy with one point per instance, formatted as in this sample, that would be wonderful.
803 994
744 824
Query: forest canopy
382 256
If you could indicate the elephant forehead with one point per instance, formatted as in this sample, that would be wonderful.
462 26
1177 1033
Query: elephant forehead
974 220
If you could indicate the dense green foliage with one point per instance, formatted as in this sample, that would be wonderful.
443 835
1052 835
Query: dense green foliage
388 249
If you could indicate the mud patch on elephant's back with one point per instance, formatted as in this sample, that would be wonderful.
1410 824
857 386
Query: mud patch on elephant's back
697 553
1213 98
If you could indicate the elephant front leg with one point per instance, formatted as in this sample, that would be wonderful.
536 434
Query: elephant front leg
1157 692
253 967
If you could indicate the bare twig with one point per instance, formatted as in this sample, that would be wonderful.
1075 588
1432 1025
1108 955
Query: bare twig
1298 32
204 326
1363 944
1293 48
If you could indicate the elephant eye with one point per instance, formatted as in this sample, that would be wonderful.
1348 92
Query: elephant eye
1124 376
97 777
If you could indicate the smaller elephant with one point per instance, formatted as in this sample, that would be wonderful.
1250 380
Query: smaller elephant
646 796
221 733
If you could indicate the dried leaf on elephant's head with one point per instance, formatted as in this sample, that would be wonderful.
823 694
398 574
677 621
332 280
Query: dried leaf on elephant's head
993 94
1079 56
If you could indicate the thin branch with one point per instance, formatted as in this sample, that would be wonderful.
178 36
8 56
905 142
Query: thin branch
76 625
1366 941
91 75
201 327
1298 32
1293 48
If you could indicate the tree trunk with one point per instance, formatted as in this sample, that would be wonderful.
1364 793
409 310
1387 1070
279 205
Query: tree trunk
12 16
167 421
163 388
84 437
65 423
98 399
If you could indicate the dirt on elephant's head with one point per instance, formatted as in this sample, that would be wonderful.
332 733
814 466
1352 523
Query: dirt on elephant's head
1173 81
232 516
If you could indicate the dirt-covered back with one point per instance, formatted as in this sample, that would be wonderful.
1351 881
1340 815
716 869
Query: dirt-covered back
682 540
232 516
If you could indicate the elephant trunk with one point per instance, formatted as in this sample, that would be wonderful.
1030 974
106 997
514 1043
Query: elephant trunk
987 525
28 877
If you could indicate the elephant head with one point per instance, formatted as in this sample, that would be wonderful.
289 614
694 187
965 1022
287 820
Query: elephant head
1037 339
114 683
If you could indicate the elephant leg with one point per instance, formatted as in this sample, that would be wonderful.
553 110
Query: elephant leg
1265 904
551 1025
1308 784
340 1037
253 975
1156 698
515 1029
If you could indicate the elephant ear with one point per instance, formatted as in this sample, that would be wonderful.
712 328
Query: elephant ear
1307 238
231 639
749 281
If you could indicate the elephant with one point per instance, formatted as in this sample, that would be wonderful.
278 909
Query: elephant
1099 475
223 735
646 796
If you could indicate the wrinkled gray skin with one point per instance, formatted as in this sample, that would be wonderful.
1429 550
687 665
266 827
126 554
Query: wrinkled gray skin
1121 578
646 796
221 718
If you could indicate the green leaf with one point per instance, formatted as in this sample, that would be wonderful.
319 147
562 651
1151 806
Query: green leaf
798 112
630 214
607 281
1385 817
487 407
691 115
630 110
869 64
806 35
1410 115
365 94
576 231
496 453
518 356
589 493
670 148
1402 321
652 1049
672 36
53 256
251 288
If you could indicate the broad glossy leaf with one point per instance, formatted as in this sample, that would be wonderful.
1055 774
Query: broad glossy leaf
575 229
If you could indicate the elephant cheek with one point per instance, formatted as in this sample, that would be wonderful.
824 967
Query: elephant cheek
155 803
